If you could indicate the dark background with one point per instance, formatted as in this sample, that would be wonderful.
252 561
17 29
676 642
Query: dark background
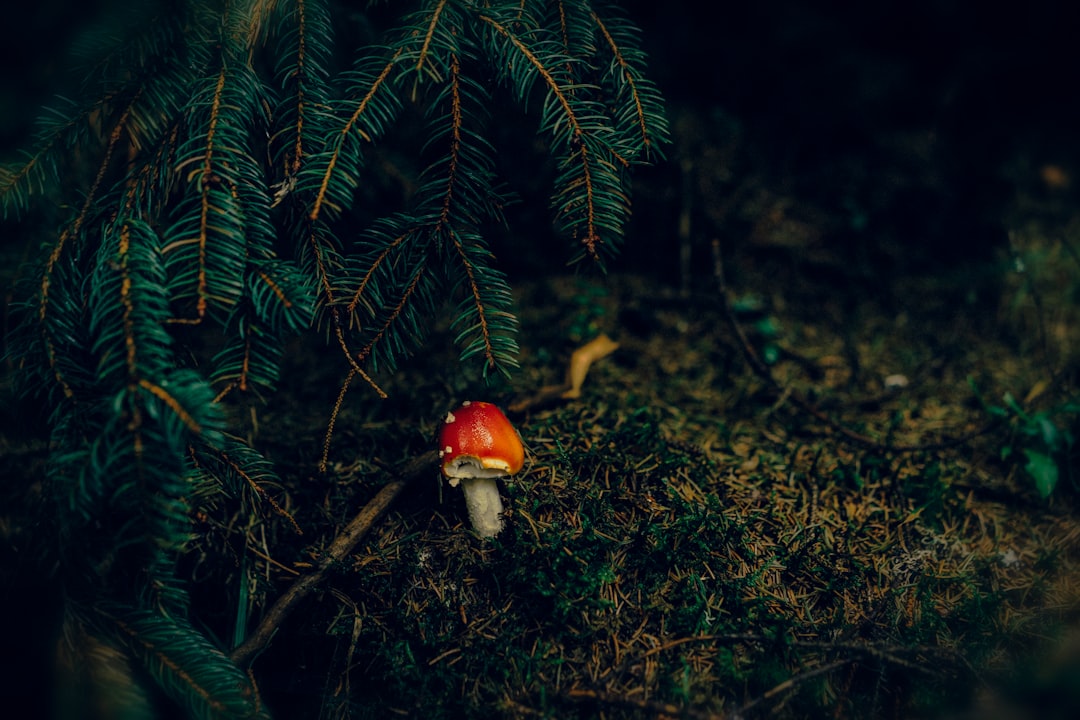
924 118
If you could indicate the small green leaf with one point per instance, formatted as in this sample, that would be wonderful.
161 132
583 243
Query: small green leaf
1010 401
768 326
770 354
1043 469
1049 432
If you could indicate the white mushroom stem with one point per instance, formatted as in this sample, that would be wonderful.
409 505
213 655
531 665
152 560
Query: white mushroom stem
483 504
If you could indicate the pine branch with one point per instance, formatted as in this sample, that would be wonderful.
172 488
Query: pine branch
303 74
73 231
141 43
58 132
486 325
235 470
395 291
337 169
639 107
461 181
590 202
128 307
185 664
278 302
225 216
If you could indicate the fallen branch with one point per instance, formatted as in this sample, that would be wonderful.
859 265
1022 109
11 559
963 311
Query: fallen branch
788 394
789 684
886 654
339 549
653 707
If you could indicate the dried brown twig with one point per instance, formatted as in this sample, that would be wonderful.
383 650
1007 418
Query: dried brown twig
788 394
653 707
789 684
342 545
849 653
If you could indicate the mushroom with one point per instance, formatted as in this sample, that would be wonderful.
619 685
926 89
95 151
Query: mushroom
477 445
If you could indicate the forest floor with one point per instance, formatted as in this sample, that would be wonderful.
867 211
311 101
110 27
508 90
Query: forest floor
851 525
799 487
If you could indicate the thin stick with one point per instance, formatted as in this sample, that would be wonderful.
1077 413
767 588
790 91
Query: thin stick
789 684
342 545
789 394
653 707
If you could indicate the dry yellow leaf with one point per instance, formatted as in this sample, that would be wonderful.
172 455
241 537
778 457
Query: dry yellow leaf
1036 390
582 359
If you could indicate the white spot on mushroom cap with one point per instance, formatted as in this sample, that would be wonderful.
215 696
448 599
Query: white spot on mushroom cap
450 418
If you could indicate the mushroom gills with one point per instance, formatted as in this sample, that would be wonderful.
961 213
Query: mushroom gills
470 466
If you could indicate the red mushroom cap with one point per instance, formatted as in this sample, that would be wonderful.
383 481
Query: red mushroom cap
477 440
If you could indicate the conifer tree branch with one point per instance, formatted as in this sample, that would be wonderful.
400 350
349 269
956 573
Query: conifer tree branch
88 202
556 90
173 404
257 17
324 459
301 96
336 324
455 140
32 176
354 302
564 34
407 294
303 81
319 252
206 182
591 238
189 667
170 664
628 75
426 47
68 232
350 125
130 345
354 362
481 310
155 171
236 467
